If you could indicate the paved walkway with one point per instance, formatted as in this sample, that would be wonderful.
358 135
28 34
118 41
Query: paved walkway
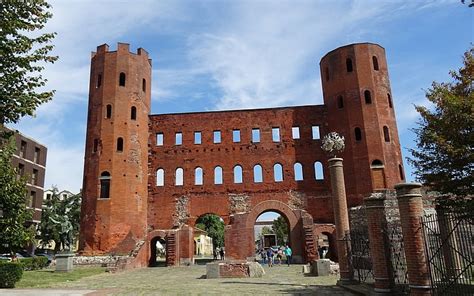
278 280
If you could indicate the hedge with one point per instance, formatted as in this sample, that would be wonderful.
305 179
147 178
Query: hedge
34 263
10 273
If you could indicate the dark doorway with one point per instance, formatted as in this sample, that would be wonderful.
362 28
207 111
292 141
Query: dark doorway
157 252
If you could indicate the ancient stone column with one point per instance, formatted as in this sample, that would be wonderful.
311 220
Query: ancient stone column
341 218
411 211
375 209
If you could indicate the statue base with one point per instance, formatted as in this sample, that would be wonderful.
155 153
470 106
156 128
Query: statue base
64 262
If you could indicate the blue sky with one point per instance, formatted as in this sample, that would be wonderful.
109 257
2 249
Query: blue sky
215 55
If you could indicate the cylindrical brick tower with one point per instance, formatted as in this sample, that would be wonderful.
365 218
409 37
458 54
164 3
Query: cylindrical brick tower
114 196
357 94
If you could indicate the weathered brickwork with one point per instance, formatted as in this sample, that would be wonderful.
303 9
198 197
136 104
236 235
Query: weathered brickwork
164 177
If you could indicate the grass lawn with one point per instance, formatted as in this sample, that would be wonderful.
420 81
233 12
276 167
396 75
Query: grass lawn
47 278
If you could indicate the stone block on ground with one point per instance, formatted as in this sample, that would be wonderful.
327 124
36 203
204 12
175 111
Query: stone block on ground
234 269
323 267
64 262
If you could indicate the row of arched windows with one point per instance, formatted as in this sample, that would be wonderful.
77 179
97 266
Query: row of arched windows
122 81
238 174
108 112
350 67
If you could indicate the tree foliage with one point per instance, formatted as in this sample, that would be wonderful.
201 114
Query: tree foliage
214 226
444 154
280 228
57 209
22 56
14 235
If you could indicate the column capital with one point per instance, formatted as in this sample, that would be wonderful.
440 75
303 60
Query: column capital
335 161
407 190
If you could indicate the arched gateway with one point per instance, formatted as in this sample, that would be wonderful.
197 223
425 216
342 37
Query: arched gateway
164 171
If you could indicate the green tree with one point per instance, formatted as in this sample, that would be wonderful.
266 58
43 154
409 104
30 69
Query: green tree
214 226
444 154
22 58
67 209
14 235
266 230
280 228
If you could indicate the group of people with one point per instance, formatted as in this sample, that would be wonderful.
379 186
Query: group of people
219 253
273 255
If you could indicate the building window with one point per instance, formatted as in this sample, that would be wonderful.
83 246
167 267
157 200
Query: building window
160 177
376 63
144 85
159 139
238 174
295 132
315 132
326 73
386 134
278 172
105 185
376 164
197 138
257 174
32 199
340 102
198 176
99 80
21 169
276 134
96 145
389 99
48 196
122 79
298 170
217 137
36 156
255 135
133 113
34 177
400 170
119 144
108 111
218 175
23 147
318 171
178 138
358 134
349 65
368 97
179 178
236 136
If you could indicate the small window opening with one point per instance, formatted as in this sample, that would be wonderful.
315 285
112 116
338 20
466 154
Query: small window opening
236 136
400 170
34 177
377 164
197 138
218 175
238 174
318 171
340 102
133 113
376 63
105 185
368 97
178 139
144 85
36 156
257 174
295 132
217 137
358 134
119 145
108 111
122 79
23 148
386 134
298 170
159 139
179 177
160 177
96 145
349 65
255 135
198 176
99 80
389 98
278 172
276 134
315 132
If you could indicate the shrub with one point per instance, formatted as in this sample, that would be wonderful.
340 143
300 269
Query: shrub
34 263
10 273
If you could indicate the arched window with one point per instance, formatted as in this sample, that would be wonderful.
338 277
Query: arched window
218 175
340 102
160 177
389 98
144 85
99 80
298 169
108 111
386 134
368 97
133 113
278 172
105 185
376 163
119 144
198 176
318 171
349 65
400 170
96 145
237 174
122 79
358 134
257 174
326 73
179 177
376 63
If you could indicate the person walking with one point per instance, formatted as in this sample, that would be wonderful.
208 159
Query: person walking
222 253
270 257
263 253
288 254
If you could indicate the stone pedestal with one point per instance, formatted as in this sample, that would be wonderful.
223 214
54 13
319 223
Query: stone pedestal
64 262
235 269
323 267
